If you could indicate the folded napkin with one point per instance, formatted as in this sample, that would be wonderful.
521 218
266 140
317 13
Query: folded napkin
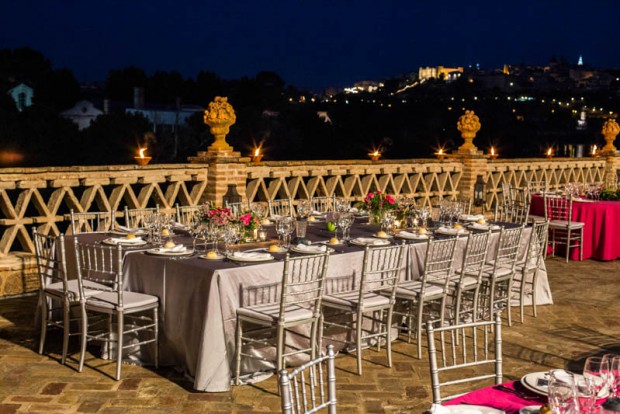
317 213
371 241
179 226
251 255
354 210
313 248
124 240
179 248
487 226
470 217
408 235
450 230
461 409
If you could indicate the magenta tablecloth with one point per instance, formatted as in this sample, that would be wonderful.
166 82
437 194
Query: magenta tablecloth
601 233
502 400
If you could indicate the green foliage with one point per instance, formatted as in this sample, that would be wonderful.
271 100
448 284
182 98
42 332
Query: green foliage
610 194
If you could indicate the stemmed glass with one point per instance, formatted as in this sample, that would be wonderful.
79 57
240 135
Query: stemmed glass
387 220
260 209
613 374
304 208
345 221
562 394
284 229
195 229
341 204
596 372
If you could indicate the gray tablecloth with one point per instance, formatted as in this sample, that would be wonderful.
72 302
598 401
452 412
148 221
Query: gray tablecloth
199 299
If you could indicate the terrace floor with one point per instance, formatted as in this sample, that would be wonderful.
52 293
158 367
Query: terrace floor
584 320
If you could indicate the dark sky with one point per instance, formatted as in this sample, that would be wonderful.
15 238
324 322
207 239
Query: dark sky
310 43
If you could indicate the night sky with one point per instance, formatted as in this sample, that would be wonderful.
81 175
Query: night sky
310 43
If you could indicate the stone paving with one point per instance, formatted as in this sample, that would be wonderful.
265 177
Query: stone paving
584 320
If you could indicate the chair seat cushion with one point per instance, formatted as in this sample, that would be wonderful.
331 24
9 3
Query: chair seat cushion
350 300
73 290
563 224
271 313
467 281
411 290
107 301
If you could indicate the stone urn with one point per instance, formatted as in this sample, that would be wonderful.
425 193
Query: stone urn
220 115
610 131
468 125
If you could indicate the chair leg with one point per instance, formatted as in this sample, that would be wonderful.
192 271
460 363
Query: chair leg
522 294
66 330
568 245
156 332
280 349
534 282
388 343
238 341
581 244
508 300
419 327
83 334
43 307
120 320
358 341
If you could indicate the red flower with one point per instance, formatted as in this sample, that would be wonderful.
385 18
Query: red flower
390 199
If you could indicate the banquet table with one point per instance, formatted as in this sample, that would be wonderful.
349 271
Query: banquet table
199 298
601 238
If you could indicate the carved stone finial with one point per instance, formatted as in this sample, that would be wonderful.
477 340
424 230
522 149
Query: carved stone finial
468 125
220 115
610 131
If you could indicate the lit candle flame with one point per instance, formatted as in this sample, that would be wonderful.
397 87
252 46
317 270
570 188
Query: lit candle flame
375 153
440 152
257 152
142 152
594 148
492 151
549 152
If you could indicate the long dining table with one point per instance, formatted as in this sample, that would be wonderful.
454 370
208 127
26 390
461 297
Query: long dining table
199 297
600 233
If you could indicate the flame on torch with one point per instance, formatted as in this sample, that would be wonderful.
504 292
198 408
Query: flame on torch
141 152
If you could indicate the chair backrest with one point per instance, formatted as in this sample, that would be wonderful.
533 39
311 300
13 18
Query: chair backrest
238 208
381 271
537 187
137 217
323 204
558 208
516 212
438 262
51 260
475 255
282 207
509 195
102 265
186 214
303 283
537 245
310 387
507 250
92 222
475 346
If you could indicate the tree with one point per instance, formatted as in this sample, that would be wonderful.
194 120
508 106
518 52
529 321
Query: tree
120 83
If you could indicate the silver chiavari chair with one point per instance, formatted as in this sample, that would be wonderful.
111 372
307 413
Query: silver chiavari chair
92 222
323 204
136 218
562 229
282 207
186 214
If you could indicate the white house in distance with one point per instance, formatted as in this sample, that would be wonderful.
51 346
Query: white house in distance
22 95
83 114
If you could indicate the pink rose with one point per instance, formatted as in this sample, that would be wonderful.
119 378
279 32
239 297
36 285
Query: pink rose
389 199
246 218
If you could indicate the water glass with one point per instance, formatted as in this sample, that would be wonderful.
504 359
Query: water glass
562 394
596 372
613 375
345 221
301 227
585 396
304 208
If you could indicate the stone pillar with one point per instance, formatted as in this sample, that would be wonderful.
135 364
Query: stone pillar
612 156
226 166
473 160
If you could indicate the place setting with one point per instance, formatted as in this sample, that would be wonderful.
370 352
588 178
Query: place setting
171 249
129 240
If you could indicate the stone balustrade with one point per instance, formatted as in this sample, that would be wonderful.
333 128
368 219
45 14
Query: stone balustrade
43 197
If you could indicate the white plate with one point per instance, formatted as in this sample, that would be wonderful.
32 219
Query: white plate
530 381
468 409
127 242
137 232
218 257
487 226
160 252
451 232
530 409
370 241
411 236
302 251
280 250
250 259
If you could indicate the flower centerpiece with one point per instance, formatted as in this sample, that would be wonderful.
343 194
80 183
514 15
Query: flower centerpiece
376 203
250 222
218 216
611 194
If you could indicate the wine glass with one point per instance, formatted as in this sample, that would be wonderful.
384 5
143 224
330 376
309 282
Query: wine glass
194 228
585 395
345 221
596 372
341 204
284 228
260 209
387 220
612 373
304 208
562 394
615 374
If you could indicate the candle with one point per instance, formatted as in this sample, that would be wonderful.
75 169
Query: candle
262 235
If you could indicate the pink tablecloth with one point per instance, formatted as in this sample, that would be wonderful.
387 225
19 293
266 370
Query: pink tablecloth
502 400
601 233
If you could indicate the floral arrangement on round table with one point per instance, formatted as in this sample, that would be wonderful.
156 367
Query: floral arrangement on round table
611 194
219 216
376 203
250 223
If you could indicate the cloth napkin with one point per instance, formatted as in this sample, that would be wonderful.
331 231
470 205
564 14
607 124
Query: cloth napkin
408 235
124 240
179 226
317 248
470 217
251 255
179 248
371 241
462 409
449 230
487 226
